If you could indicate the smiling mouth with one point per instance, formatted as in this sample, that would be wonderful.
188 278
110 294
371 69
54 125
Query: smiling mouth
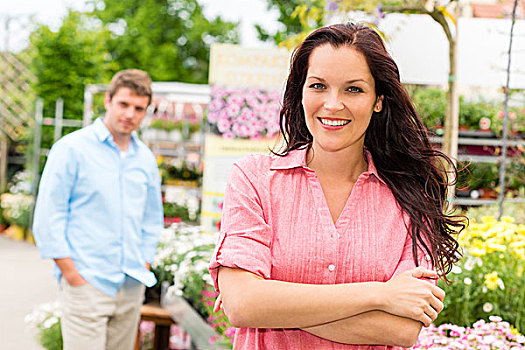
334 122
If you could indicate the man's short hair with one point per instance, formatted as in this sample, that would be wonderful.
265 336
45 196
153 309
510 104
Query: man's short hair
135 79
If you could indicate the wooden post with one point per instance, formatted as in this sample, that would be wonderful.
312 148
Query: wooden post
450 138
39 115
59 117
4 153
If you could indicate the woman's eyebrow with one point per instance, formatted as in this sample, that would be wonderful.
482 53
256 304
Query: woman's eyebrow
351 81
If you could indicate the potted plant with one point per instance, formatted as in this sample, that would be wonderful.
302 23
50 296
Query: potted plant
431 105
472 112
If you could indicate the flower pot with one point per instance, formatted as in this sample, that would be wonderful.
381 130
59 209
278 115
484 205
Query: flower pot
16 232
488 193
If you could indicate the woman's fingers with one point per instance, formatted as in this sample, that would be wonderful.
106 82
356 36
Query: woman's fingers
439 293
437 304
218 304
422 272
410 295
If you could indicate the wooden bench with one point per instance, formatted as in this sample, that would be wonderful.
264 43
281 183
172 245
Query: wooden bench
163 322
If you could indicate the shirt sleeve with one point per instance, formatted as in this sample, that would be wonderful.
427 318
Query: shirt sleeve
152 221
244 240
52 205
407 257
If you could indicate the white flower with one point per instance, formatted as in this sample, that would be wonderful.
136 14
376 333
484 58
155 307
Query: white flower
467 281
469 264
489 339
479 261
50 322
456 269
487 307
495 318
500 284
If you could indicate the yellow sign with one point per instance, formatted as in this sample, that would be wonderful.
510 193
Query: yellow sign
239 66
216 146
219 156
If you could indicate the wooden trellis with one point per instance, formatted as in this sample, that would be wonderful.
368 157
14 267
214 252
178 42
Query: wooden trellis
16 104
16 99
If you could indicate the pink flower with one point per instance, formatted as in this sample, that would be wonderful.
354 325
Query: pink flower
223 125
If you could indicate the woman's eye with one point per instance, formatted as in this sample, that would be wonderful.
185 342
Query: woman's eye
317 86
354 89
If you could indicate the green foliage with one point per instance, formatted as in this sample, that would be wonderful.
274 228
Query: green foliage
516 120
67 60
64 62
170 125
51 338
431 104
45 320
16 208
182 171
168 39
515 210
292 24
471 112
3 220
489 279
174 210
483 175
194 285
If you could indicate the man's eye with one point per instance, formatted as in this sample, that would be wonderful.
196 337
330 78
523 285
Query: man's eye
317 86
354 89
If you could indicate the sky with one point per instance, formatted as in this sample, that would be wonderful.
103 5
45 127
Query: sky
17 13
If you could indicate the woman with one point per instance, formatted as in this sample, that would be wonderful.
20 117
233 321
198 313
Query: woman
319 244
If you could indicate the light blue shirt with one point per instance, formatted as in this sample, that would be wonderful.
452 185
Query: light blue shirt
100 209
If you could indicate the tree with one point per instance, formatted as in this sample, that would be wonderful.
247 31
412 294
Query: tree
64 62
170 39
289 17
438 10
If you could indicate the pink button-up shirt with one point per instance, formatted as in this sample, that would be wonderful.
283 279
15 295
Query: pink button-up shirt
276 224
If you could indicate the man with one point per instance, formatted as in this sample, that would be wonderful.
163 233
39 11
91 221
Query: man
98 215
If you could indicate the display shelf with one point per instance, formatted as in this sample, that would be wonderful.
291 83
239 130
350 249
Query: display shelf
471 141
482 201
475 146
470 158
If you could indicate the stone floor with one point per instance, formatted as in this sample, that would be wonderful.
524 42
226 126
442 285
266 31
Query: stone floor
26 280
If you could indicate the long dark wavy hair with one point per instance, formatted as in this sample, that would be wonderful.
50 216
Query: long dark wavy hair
396 139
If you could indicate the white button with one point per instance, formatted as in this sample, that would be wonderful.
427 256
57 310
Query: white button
427 257
331 267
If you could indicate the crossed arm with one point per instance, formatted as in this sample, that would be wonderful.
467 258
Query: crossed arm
390 313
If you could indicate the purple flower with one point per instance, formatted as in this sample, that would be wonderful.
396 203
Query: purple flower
331 6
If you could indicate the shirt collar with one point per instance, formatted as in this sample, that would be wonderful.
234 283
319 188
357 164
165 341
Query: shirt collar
294 159
372 167
297 159
102 132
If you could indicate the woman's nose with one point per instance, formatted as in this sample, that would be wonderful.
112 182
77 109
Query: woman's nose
333 102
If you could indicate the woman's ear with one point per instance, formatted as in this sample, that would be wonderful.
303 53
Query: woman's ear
379 104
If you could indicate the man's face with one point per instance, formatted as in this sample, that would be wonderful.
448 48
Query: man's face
125 111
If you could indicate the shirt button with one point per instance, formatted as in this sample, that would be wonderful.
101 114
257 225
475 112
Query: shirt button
331 267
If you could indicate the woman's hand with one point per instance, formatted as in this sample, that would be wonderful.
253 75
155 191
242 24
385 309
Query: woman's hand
409 295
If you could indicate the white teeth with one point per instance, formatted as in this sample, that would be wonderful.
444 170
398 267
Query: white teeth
330 122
